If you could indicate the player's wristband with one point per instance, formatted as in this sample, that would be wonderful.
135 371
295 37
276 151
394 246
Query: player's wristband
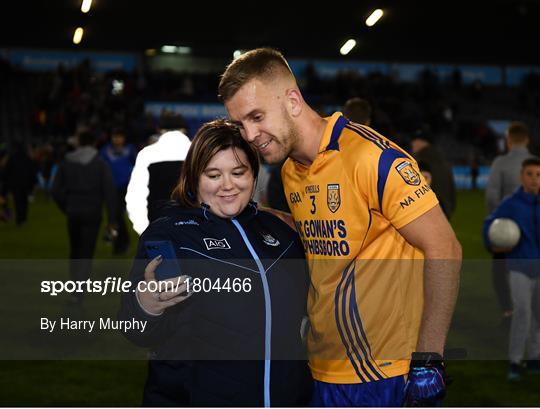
426 360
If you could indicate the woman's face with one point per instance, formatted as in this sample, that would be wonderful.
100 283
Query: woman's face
227 183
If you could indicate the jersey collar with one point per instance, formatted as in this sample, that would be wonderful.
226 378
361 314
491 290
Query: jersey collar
334 126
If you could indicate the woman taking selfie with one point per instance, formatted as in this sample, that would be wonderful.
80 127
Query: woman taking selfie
230 331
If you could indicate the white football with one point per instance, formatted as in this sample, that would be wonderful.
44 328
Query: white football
504 233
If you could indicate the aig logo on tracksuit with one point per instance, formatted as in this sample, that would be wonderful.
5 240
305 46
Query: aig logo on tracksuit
213 244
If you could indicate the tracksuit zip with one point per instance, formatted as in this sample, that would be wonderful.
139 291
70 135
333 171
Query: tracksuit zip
268 313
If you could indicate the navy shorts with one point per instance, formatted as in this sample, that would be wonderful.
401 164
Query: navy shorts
386 392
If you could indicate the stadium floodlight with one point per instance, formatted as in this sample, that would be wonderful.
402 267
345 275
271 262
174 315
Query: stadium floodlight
86 5
173 49
77 36
117 87
237 53
374 17
170 49
347 47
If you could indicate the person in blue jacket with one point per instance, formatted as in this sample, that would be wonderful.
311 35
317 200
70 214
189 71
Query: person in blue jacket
231 332
120 156
523 262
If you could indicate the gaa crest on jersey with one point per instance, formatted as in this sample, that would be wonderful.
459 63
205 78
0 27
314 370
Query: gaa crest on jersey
269 240
408 173
333 197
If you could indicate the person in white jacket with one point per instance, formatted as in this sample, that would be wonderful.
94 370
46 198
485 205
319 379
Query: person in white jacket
156 173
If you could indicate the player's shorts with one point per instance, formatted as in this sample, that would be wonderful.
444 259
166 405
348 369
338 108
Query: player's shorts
386 392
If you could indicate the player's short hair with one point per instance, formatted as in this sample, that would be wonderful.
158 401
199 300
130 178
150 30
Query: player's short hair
357 110
530 162
211 138
261 63
517 132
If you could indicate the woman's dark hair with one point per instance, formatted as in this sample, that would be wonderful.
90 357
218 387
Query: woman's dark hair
211 138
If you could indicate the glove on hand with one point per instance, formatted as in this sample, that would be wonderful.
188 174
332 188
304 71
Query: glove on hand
426 384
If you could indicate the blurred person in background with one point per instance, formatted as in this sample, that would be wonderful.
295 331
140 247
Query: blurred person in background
83 184
47 168
523 263
156 172
20 176
504 175
274 189
425 170
260 195
121 158
222 348
504 179
475 171
358 110
442 177
4 207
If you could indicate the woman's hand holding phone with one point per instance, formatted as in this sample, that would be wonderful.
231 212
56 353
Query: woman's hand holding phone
173 290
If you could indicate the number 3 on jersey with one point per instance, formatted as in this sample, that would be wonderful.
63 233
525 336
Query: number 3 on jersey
313 206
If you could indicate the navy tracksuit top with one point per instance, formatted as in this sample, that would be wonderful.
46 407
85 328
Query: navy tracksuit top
227 348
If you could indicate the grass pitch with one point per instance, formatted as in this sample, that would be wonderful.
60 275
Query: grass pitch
479 380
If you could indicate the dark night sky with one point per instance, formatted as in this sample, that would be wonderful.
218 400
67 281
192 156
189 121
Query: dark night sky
475 31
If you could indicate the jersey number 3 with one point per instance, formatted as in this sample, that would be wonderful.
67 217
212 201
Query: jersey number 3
313 206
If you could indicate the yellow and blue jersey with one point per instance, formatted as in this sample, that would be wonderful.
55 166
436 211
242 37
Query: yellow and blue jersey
366 294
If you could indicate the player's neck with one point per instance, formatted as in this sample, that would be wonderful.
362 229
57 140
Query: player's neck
311 128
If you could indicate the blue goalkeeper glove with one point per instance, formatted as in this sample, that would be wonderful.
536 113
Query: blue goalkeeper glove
426 383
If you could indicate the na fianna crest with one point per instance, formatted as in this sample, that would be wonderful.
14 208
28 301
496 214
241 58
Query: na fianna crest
333 197
408 173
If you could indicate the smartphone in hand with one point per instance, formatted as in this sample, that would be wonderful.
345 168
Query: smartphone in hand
169 267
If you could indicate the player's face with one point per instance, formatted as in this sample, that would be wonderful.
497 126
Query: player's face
261 112
226 185
530 179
